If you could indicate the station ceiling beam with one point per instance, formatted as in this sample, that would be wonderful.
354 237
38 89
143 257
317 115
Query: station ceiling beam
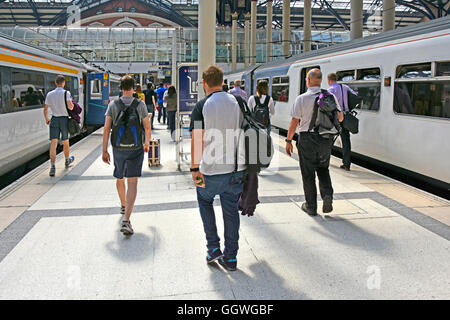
35 11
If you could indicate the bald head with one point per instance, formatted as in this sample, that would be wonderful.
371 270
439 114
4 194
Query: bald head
314 78
237 84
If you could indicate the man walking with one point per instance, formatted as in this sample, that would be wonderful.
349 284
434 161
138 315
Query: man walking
162 111
127 163
150 101
59 100
314 150
237 91
340 91
215 124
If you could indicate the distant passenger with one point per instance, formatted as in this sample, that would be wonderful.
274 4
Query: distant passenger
314 150
140 93
150 101
263 101
215 121
237 91
59 124
340 91
161 110
31 98
127 160
15 101
171 101
225 87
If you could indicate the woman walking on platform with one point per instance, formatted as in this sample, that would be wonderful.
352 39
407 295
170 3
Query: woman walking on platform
171 100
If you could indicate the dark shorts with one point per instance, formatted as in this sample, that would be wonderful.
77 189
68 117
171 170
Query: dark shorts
59 127
128 164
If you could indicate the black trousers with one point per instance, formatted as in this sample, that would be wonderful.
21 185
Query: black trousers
162 112
346 148
171 121
151 109
314 156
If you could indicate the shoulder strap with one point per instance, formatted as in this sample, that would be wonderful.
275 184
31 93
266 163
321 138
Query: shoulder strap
314 116
258 102
266 102
65 102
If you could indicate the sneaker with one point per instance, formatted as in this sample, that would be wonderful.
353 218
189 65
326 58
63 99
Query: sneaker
229 264
327 205
345 168
126 228
308 211
214 255
122 210
52 171
69 160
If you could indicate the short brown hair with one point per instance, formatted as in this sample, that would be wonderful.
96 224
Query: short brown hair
213 76
126 83
332 77
60 80
262 87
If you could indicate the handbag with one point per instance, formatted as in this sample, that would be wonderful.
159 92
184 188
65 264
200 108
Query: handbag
351 122
73 126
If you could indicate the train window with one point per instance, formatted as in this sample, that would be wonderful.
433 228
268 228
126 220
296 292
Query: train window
367 84
303 74
443 69
348 75
96 88
243 84
114 90
280 89
369 74
28 87
411 71
72 87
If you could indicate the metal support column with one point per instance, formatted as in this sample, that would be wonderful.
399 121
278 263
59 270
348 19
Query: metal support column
234 16
307 37
174 56
287 28
356 26
247 40
206 38
253 32
388 15
269 12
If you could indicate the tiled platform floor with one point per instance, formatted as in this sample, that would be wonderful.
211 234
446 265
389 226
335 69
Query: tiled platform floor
59 237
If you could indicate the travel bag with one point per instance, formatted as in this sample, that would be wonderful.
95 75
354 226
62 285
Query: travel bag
154 155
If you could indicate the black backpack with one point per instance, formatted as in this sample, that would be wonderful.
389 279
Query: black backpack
127 131
261 111
258 143
324 120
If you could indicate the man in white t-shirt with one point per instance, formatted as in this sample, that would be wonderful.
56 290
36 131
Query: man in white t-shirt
59 123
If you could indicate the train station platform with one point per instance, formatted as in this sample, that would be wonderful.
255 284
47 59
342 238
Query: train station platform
60 239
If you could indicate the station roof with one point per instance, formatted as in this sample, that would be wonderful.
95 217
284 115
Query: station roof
327 14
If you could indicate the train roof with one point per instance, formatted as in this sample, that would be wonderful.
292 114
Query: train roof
15 44
410 31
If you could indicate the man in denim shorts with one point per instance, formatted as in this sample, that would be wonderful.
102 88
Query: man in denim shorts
59 123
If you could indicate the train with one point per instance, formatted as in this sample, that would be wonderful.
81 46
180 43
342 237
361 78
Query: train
27 74
402 75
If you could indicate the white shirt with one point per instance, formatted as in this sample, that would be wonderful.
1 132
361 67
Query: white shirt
252 104
55 100
303 107
166 93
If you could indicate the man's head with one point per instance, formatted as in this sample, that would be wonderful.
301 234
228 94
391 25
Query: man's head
30 90
161 85
127 84
60 81
332 78
237 83
314 78
212 79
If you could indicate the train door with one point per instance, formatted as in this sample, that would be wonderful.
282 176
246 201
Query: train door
97 98
303 75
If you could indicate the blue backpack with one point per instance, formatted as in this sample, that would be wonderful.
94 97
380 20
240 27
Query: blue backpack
127 131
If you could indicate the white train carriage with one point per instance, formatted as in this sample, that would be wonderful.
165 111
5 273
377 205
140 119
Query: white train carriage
403 76
27 74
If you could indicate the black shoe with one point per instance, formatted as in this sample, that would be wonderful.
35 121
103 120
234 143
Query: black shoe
214 255
229 264
345 168
327 205
308 211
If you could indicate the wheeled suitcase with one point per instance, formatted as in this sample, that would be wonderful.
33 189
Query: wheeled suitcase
154 157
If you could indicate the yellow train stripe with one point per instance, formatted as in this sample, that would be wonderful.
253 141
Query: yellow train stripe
37 64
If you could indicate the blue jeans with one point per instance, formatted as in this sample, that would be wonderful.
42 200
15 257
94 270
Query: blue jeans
228 187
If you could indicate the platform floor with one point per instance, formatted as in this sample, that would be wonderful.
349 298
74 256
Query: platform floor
60 239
